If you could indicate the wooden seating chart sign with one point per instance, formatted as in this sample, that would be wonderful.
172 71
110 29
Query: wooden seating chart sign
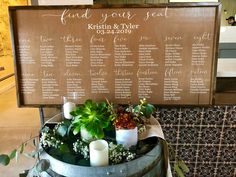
164 53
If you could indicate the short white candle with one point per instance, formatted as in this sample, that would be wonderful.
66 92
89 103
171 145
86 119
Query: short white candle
98 153
67 108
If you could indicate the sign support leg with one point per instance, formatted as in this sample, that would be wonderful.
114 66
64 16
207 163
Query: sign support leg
41 113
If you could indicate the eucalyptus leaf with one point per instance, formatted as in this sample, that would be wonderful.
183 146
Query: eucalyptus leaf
22 148
178 171
45 129
34 154
149 109
183 166
12 154
4 159
62 130
34 142
17 156
28 155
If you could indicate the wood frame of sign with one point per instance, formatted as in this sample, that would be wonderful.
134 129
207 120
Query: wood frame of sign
166 53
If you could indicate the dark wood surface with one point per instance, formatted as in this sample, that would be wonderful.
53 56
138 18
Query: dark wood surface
225 91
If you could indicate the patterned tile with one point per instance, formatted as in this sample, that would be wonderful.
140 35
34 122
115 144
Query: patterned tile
231 116
170 134
198 134
188 135
168 116
229 135
191 170
172 153
205 170
213 116
226 170
207 153
210 135
228 154
187 153
191 116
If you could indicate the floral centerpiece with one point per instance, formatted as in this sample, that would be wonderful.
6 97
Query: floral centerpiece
69 140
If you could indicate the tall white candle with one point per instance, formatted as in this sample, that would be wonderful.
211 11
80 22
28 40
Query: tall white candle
67 108
98 153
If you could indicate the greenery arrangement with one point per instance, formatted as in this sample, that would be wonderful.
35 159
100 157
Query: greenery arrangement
70 148
129 117
63 141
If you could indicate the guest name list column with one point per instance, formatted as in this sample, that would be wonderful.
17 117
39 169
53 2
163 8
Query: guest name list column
74 59
199 83
123 74
99 62
48 63
29 80
173 68
148 68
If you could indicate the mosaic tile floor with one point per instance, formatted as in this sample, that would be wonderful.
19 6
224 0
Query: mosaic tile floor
205 138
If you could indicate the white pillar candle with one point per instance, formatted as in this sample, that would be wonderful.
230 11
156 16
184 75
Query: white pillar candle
67 108
98 153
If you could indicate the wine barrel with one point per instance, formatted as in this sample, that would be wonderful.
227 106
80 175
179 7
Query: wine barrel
149 165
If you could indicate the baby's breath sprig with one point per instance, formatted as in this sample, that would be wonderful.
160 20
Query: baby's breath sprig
48 138
82 148
118 154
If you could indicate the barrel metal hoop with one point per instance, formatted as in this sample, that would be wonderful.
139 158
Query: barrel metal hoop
147 169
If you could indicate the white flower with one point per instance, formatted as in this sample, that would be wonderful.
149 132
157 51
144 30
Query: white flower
118 154
81 148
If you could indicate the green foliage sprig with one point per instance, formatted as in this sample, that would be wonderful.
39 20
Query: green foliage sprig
14 154
133 115
179 166
143 109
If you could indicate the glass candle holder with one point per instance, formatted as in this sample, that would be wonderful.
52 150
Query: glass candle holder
69 104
